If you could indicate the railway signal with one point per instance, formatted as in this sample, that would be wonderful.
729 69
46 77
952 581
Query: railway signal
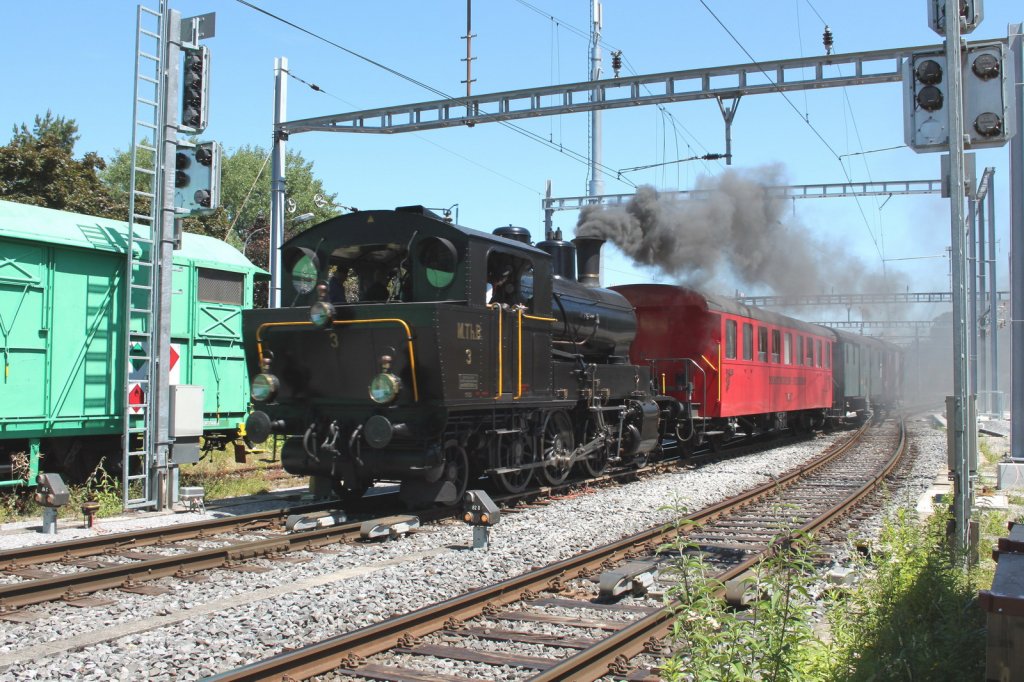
480 512
197 178
971 11
195 101
987 98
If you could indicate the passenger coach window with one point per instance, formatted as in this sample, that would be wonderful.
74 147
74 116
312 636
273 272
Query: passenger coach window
817 351
748 341
762 344
799 350
787 349
730 339
828 356
810 352
776 342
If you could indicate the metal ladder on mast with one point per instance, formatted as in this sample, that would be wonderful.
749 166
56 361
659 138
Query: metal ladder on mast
142 260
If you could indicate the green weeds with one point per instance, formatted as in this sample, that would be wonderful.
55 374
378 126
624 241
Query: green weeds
912 616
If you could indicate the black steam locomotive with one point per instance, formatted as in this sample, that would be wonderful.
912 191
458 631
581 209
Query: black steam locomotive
416 350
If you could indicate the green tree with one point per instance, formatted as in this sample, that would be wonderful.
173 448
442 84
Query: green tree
245 198
38 167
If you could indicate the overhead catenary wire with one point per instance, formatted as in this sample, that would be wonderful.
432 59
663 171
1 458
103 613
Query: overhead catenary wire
515 128
810 125
585 35
319 89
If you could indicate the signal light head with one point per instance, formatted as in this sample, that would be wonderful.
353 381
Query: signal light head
986 66
204 155
928 72
195 98
988 124
929 98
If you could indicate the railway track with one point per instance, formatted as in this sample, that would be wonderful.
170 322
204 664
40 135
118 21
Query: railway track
588 616
74 571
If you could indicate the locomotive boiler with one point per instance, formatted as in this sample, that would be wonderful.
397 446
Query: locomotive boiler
415 350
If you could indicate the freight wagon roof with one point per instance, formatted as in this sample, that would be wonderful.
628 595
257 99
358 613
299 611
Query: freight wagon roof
659 295
50 226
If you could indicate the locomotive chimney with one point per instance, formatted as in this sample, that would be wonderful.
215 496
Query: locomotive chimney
588 259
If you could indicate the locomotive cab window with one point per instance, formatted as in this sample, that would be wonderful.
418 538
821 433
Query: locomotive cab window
748 341
526 288
817 351
828 355
762 344
304 267
730 339
799 350
810 352
787 349
439 260
509 280
776 343
369 273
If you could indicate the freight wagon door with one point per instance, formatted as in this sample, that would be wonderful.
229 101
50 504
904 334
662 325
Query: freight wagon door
86 311
218 359
23 330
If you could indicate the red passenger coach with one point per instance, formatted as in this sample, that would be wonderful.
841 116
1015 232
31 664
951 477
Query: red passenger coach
731 366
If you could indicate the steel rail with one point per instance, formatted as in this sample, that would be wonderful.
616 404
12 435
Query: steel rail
129 575
82 547
629 642
71 585
349 648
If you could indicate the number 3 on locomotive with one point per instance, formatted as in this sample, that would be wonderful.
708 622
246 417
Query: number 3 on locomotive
334 339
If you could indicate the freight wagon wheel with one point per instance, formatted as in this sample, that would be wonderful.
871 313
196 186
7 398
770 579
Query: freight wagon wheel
596 464
556 448
513 452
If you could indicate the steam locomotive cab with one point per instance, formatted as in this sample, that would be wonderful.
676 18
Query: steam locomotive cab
415 350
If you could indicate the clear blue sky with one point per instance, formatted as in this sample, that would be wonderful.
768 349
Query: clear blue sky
76 58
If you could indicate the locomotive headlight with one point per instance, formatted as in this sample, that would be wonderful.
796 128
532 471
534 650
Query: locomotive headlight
384 388
264 387
321 314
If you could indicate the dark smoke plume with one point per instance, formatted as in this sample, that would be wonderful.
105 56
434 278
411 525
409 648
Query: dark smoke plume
739 232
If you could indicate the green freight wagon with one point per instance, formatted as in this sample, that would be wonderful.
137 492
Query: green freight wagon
62 345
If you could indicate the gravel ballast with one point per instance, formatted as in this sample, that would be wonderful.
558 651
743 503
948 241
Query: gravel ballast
201 629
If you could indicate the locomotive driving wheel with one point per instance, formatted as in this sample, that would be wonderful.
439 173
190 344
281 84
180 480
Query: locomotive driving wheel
597 462
513 452
556 447
456 470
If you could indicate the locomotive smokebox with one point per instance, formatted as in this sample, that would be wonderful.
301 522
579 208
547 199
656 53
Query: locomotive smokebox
588 257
